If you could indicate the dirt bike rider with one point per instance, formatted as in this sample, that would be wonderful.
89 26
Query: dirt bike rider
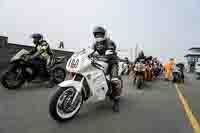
178 68
140 57
175 69
41 49
106 48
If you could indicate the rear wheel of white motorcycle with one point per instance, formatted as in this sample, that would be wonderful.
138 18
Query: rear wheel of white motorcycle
61 108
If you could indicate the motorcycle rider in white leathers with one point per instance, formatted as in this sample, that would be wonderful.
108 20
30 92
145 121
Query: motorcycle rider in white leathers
106 48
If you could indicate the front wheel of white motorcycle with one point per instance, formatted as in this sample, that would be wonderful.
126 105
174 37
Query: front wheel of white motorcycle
63 106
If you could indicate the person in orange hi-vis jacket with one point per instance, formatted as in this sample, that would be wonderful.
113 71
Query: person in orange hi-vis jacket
167 71
168 68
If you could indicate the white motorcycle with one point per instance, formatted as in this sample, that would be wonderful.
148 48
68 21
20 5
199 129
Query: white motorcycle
89 78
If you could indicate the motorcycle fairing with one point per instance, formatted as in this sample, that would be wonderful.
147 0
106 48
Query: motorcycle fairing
97 82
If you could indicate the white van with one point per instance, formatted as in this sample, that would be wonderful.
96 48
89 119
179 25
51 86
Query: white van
197 68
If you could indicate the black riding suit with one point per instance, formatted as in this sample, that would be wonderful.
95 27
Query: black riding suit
43 51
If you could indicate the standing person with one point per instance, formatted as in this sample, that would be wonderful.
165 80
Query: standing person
105 47
181 67
168 69
61 45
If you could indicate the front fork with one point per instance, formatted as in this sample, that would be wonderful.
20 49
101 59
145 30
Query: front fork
77 93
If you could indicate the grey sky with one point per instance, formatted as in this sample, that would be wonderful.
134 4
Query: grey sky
164 28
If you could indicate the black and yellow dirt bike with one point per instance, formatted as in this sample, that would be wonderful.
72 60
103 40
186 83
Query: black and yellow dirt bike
22 69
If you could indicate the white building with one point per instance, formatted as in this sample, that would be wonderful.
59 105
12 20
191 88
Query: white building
192 57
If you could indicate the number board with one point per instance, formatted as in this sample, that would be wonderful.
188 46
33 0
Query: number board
73 63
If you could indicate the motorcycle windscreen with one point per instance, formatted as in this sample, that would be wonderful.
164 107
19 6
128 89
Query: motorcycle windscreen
19 54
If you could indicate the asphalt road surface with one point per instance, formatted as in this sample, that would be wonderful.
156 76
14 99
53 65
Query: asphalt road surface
155 109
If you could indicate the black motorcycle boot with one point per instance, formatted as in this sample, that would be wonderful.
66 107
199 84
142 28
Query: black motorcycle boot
116 105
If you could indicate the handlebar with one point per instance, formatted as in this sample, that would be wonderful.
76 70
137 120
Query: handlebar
94 63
